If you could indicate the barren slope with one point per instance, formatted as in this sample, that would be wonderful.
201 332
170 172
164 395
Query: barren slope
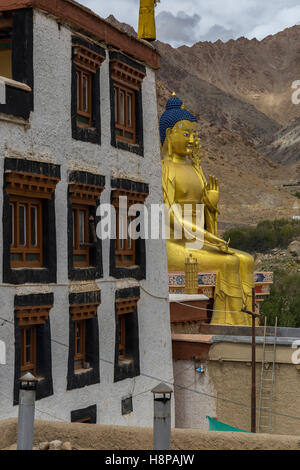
284 147
260 72
210 102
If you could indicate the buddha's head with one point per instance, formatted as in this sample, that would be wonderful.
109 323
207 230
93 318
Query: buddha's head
177 129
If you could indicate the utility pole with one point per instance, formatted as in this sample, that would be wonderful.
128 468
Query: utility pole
254 315
26 411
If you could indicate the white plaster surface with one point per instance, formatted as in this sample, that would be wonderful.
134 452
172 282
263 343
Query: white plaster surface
2 92
49 139
192 403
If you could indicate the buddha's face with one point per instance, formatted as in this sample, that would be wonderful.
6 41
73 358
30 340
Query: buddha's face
182 137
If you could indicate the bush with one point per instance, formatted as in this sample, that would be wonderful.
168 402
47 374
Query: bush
265 236
284 301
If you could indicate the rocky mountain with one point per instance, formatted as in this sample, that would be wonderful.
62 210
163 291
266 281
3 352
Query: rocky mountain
217 85
210 102
258 72
284 146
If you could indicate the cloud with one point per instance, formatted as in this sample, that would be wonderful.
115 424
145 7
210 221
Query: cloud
180 28
218 32
189 21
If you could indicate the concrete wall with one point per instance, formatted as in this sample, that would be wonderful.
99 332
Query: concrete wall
227 377
49 139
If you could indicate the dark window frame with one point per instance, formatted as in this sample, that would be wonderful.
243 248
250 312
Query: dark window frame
95 270
80 132
138 146
20 103
92 375
130 367
138 271
43 347
84 414
46 274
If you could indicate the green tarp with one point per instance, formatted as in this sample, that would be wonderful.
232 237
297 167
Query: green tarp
215 425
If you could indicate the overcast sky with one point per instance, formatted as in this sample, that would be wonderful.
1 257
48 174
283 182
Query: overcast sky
188 21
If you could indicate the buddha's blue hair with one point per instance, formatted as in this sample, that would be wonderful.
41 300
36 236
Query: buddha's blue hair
173 114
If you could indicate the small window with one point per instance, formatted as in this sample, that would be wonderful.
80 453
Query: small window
125 247
127 358
6 46
125 114
32 342
28 349
84 247
84 98
79 335
85 415
26 245
85 106
81 237
125 309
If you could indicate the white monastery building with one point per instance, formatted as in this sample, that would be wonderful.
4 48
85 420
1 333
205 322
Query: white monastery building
78 128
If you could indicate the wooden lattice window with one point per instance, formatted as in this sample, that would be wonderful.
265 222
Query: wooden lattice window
81 250
81 314
125 111
87 63
84 98
126 246
125 307
6 46
27 191
79 335
26 245
28 349
29 317
127 82
83 197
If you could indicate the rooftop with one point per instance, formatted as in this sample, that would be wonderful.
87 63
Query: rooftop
85 20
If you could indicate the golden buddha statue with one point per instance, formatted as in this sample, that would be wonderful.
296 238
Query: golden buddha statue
184 183
147 28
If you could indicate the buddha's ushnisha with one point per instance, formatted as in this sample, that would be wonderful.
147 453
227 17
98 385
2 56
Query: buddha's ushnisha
184 183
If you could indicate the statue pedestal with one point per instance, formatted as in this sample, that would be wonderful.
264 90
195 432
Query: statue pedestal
186 308
207 282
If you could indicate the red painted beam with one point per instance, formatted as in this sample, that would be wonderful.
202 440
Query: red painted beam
81 17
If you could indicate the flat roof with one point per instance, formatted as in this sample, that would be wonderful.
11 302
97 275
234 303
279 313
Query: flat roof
82 18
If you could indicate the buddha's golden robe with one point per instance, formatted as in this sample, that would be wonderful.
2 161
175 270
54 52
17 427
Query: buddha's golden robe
183 184
147 28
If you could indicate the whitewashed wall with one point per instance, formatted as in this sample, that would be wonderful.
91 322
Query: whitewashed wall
49 139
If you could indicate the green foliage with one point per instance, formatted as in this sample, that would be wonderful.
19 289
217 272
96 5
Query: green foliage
265 236
297 195
284 301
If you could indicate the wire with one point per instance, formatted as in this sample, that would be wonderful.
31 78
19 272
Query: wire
179 386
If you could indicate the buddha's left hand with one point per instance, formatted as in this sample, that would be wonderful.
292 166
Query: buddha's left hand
213 191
